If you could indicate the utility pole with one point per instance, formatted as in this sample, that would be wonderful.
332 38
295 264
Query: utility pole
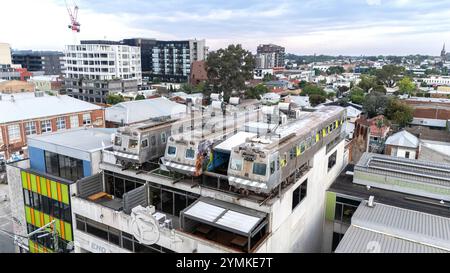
54 234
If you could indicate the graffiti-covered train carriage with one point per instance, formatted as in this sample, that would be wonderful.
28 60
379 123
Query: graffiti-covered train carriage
264 164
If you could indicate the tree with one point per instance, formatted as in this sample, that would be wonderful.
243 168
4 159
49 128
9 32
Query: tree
335 70
256 92
316 99
312 89
113 99
367 83
269 77
229 68
302 84
331 95
389 74
357 95
379 88
399 112
375 104
139 97
406 86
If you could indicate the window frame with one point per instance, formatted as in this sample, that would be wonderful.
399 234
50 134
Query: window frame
15 129
46 126
29 128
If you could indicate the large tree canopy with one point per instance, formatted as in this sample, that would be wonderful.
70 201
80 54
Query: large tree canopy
399 112
375 104
229 68
389 74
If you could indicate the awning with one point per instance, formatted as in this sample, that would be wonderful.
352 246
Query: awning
222 215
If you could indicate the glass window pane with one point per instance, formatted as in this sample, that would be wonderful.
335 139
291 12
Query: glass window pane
167 202
259 168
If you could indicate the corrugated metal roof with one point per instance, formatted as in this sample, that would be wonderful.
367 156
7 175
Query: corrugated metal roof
358 240
396 230
26 106
141 110
403 139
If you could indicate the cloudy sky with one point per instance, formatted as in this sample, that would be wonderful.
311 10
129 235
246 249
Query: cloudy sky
347 27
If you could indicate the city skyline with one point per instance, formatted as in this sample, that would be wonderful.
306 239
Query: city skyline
350 27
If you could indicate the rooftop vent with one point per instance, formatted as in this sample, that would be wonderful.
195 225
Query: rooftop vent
370 203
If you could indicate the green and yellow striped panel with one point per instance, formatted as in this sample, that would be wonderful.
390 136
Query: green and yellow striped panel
46 187
39 219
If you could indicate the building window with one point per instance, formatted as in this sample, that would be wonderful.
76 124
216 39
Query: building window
63 166
1 136
332 160
74 123
46 126
61 123
406 154
299 194
14 132
345 208
86 119
30 128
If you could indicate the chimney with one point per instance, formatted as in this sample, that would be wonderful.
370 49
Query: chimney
370 203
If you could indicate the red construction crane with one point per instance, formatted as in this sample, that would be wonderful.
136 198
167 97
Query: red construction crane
73 13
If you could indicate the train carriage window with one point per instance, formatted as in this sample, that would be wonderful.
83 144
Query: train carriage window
118 141
308 143
292 153
133 143
180 130
144 143
190 153
272 167
259 168
153 140
172 150
163 137
302 147
278 164
236 164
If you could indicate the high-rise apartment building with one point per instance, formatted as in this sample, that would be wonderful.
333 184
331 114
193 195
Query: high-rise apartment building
95 69
167 61
50 62
270 56
5 54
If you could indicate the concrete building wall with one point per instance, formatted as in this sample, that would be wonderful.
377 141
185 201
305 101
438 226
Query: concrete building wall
16 198
301 230
401 152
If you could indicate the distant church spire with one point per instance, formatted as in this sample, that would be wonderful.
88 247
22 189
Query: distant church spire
443 53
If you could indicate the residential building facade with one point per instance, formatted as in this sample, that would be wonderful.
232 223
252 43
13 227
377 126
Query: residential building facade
95 69
5 54
50 62
270 56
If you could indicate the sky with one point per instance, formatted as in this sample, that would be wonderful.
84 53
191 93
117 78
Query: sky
334 27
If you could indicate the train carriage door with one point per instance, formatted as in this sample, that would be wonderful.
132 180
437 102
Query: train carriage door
153 146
